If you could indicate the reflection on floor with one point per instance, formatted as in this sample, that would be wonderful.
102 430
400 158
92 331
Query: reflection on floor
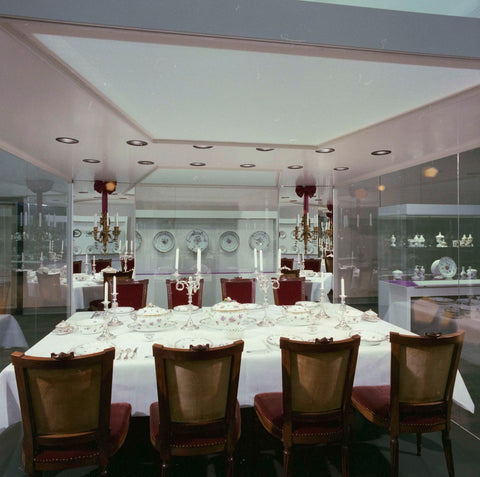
260 455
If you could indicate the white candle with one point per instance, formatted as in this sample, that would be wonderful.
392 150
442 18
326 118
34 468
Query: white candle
21 219
62 246
131 246
279 259
105 295
370 219
41 256
177 258
199 260
23 258
255 258
342 287
261 260
86 258
120 247
298 220
93 262
25 219
114 284
40 219
358 221
308 217
116 219
95 220
322 286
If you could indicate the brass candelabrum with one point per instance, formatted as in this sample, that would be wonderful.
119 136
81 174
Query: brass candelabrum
305 232
105 235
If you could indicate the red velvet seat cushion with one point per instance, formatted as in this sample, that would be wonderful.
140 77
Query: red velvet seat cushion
119 423
376 399
191 440
270 407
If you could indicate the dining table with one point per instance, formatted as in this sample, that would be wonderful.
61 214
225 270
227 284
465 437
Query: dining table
314 281
134 378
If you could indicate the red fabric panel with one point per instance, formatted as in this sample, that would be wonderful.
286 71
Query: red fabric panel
130 294
181 297
289 292
240 291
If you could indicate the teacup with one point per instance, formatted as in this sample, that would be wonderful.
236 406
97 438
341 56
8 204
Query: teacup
397 274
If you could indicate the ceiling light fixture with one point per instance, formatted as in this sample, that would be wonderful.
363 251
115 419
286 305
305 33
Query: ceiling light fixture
325 150
264 149
248 166
295 166
430 172
198 164
381 187
341 168
91 161
145 163
202 146
137 142
67 140
381 152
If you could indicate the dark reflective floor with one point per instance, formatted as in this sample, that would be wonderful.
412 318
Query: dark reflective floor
260 455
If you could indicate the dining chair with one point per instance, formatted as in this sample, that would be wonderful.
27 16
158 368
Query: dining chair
295 273
128 264
329 264
238 289
290 290
77 266
314 406
176 298
101 263
419 397
49 289
132 293
286 262
197 411
97 305
67 415
313 264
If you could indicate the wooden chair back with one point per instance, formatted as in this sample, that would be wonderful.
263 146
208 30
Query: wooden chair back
313 264
128 264
132 293
290 291
317 381
77 266
176 297
49 289
197 393
286 262
101 263
239 289
121 276
329 264
65 403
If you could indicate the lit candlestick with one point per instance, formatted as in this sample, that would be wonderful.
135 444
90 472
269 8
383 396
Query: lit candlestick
255 258
308 217
177 258
116 219
105 295
261 260
342 287
114 284
93 261
86 259
279 259
199 260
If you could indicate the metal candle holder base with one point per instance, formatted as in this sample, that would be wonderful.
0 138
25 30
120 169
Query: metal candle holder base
264 282
106 334
192 284
114 321
342 324
322 313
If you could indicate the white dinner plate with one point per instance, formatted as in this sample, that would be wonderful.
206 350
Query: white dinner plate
185 343
244 323
307 304
89 348
162 326
185 308
121 310
370 337
274 340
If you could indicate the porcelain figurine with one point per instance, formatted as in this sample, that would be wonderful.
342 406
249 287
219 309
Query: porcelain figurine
463 241
471 273
421 241
393 241
440 240
463 274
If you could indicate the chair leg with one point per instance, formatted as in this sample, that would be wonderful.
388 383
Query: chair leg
447 449
393 456
419 443
345 460
287 453
230 466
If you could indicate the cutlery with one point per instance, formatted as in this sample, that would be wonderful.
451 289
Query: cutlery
127 352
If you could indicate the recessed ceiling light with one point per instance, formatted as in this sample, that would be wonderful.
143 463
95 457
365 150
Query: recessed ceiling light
325 150
264 149
295 166
247 166
202 146
381 152
381 187
137 142
145 163
198 164
341 168
430 172
91 161
66 140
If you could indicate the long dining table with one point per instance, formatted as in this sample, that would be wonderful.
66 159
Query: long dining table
134 371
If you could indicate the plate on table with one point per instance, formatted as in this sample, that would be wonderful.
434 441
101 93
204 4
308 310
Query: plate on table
229 241
244 323
197 239
123 310
371 338
185 343
295 320
64 328
252 306
307 304
259 240
185 308
274 340
162 326
164 241
89 348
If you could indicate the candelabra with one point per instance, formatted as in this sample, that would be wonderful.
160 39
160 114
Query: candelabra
114 321
322 313
105 235
192 285
265 283
305 232
106 334
342 323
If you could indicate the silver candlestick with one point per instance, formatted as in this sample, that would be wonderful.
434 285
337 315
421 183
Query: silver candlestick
114 321
106 334
322 313
192 284
265 282
342 324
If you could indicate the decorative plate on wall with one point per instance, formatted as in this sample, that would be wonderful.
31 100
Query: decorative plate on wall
77 233
197 239
77 250
164 241
229 241
282 234
138 240
259 240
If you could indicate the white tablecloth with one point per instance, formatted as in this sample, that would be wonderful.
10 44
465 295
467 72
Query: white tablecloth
11 335
86 291
313 285
134 380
